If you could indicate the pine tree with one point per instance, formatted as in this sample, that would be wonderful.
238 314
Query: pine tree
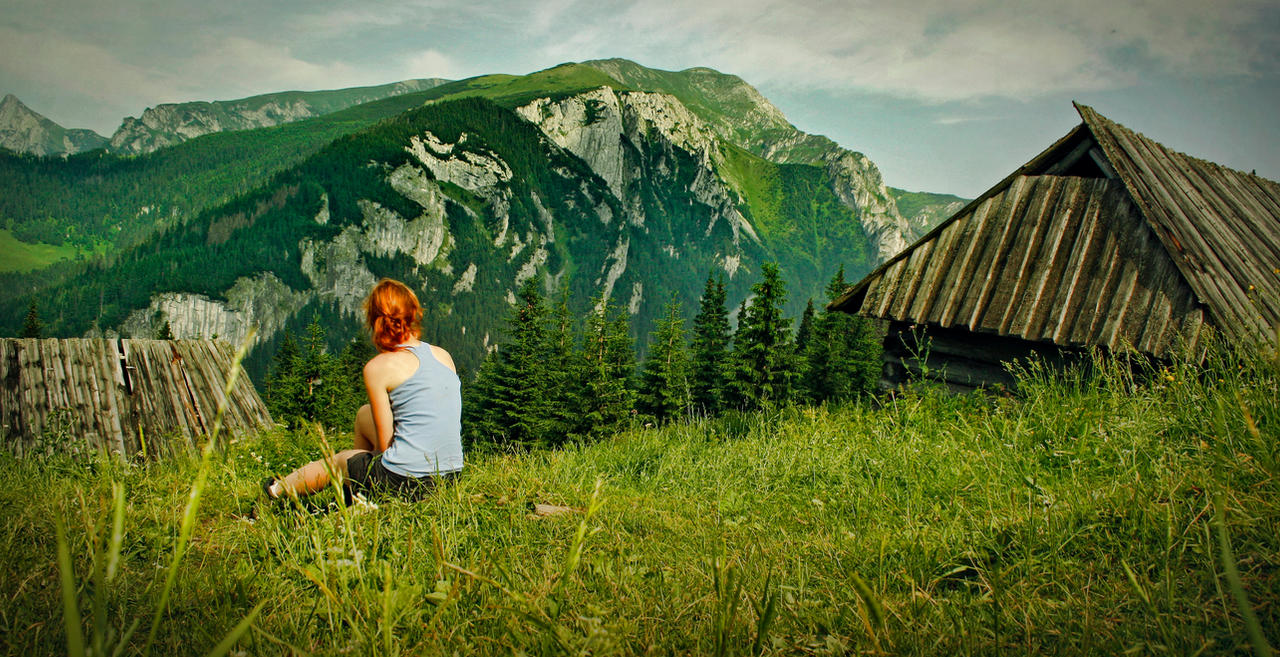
763 359
608 365
284 387
563 370
710 349
309 385
32 326
511 405
350 376
842 359
165 332
805 330
664 384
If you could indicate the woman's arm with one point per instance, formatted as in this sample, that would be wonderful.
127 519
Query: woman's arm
380 403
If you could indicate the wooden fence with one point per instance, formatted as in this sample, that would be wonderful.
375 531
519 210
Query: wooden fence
128 396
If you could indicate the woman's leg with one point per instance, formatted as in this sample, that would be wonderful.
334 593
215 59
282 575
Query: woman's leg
366 430
314 476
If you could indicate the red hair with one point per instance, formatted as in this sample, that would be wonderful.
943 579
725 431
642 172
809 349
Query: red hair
393 314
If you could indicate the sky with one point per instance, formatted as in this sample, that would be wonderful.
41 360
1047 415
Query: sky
943 95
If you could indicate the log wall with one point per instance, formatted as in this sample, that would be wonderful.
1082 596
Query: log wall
128 396
962 360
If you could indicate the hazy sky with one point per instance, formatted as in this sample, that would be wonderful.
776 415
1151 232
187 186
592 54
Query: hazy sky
945 95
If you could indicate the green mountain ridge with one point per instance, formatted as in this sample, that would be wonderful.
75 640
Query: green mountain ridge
464 190
924 210
173 123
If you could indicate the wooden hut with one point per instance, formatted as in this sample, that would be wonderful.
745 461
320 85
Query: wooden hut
128 396
1106 239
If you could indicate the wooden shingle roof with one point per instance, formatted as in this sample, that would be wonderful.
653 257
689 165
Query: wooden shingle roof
1220 226
126 396
1106 238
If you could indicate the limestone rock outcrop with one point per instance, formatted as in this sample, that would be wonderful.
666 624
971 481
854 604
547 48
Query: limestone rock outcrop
25 131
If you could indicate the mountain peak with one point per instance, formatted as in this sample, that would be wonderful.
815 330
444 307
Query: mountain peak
24 130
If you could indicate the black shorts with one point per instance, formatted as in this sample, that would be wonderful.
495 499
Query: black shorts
367 475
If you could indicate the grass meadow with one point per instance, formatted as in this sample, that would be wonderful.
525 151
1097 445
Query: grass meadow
1114 512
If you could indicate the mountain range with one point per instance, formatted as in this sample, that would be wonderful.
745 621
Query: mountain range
25 131
606 179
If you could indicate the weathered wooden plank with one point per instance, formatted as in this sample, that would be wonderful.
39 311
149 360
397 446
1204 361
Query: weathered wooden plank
960 278
83 422
1206 270
11 426
1059 240
917 262
77 387
1023 252
889 283
1101 293
1038 252
1111 335
991 258
1081 267
938 267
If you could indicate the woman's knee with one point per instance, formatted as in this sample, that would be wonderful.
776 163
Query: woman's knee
364 419
340 459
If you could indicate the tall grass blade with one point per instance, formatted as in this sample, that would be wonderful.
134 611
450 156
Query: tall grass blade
117 530
874 610
70 611
197 489
1254 629
766 612
224 646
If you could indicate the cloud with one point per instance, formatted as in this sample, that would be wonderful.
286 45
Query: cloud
83 69
236 66
937 50
430 63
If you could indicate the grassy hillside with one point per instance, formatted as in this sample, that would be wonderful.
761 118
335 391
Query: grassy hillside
912 203
19 256
1091 516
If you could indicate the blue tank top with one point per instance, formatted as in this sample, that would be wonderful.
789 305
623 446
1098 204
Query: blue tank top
427 410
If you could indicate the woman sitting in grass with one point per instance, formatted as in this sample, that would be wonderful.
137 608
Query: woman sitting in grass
409 436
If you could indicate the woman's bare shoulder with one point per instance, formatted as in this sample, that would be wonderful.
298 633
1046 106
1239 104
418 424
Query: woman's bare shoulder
444 357
383 362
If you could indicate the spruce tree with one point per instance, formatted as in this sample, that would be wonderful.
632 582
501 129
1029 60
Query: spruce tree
563 370
664 384
511 405
325 386
349 368
608 365
805 331
285 389
710 349
32 326
842 360
763 360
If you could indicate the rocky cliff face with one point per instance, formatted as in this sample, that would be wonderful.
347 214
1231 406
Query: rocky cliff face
174 123
736 112
25 131
261 301
630 137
